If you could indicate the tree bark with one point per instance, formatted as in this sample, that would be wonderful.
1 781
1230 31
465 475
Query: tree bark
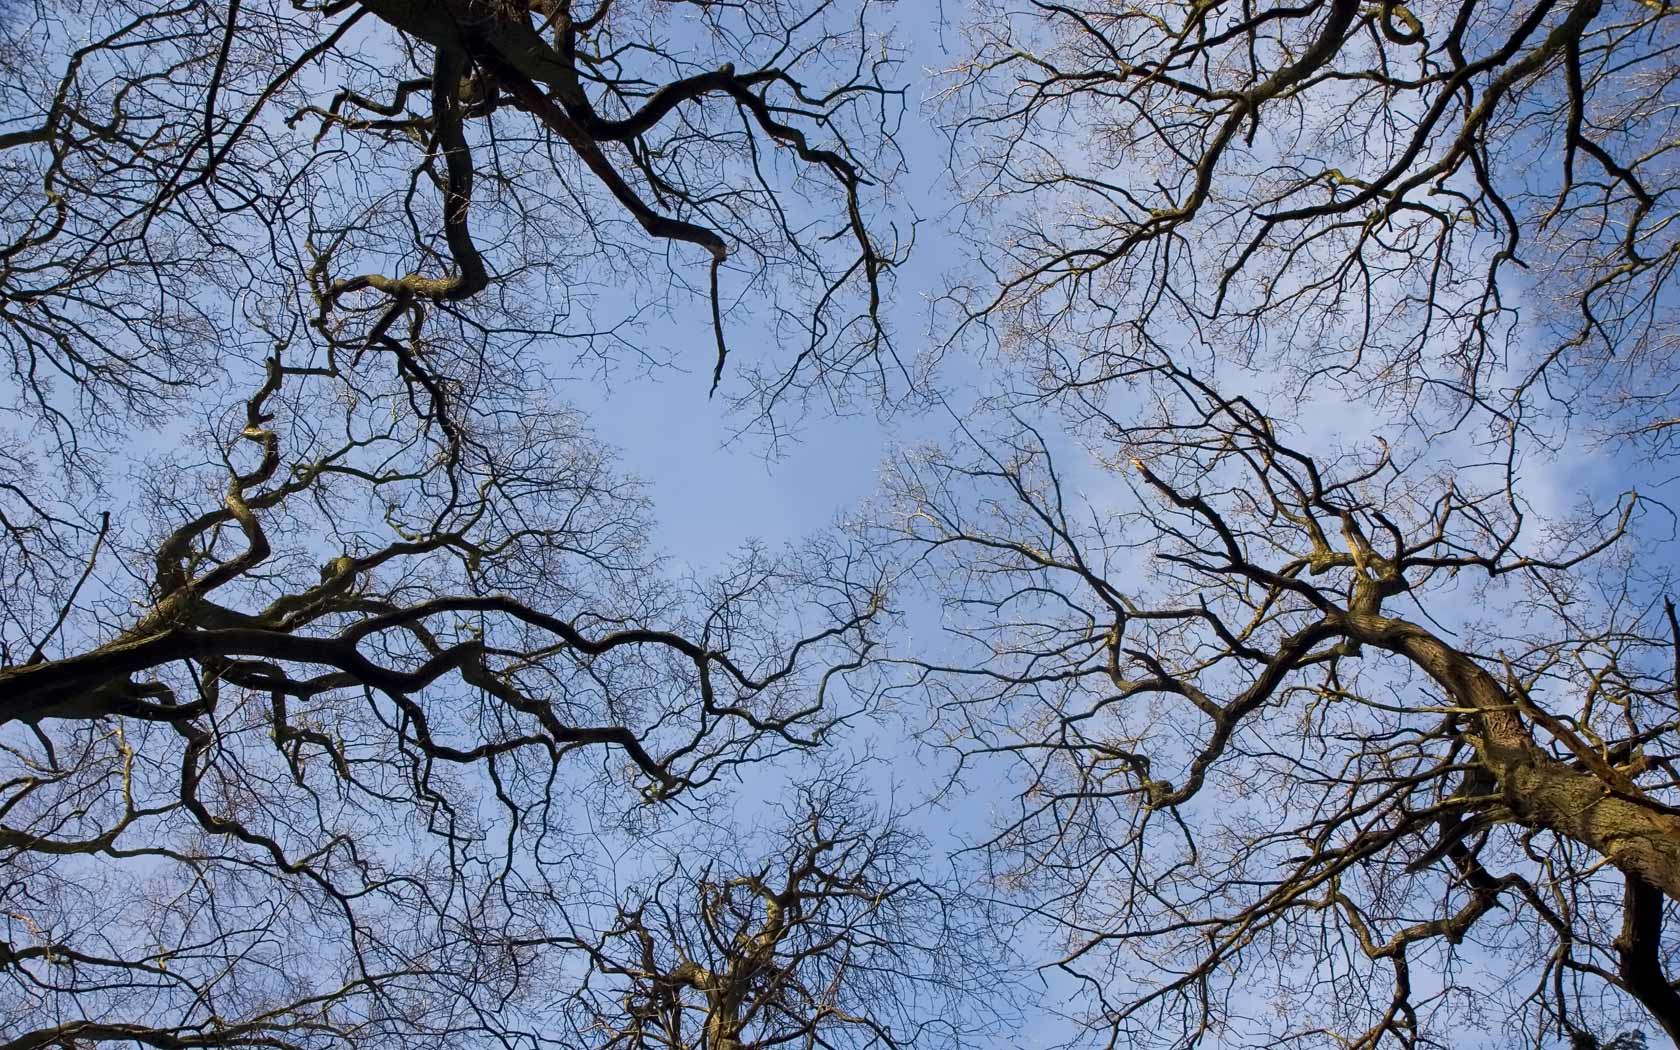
1638 835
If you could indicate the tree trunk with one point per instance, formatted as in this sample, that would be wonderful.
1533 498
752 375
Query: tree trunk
1638 835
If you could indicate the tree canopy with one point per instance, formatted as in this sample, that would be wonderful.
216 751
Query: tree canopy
1262 633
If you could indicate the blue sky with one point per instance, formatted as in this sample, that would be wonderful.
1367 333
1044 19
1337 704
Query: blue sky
716 488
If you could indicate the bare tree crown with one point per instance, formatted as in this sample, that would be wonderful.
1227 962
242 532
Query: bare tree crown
1243 660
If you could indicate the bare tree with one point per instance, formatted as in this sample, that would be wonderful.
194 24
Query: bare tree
331 642
328 628
389 172
1459 205
1274 786
1331 725
296 792
835 938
